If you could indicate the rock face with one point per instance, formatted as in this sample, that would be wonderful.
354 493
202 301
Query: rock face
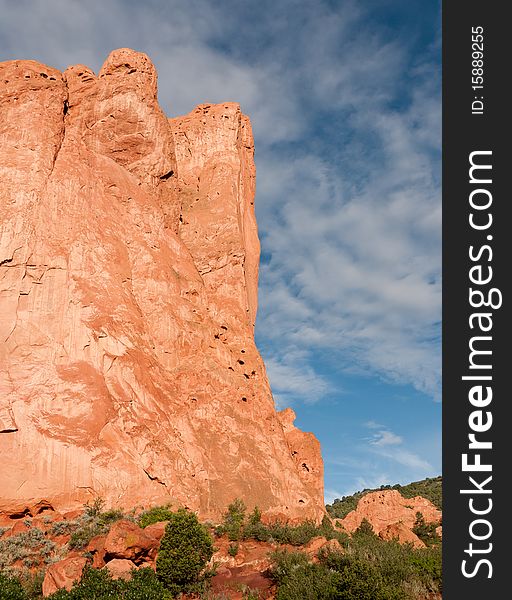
388 508
63 574
399 531
129 265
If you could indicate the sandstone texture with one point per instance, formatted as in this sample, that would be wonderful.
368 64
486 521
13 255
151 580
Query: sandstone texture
401 533
129 267
63 574
387 508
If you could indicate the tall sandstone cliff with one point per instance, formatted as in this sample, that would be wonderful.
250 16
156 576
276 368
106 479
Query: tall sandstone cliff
129 266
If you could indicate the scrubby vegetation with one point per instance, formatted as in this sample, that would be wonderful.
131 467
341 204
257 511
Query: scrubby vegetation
185 549
430 488
156 514
237 525
368 569
426 531
97 584
28 547
94 521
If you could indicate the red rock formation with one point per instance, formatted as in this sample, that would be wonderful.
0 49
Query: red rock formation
401 533
129 260
120 568
128 541
63 574
389 507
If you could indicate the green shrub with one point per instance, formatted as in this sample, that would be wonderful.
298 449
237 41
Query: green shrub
110 516
82 536
155 515
239 527
233 549
97 584
255 516
427 563
11 588
297 578
284 563
64 527
95 521
234 520
185 549
425 531
368 569
365 528
27 546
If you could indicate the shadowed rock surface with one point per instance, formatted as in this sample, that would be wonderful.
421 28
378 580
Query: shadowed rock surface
129 264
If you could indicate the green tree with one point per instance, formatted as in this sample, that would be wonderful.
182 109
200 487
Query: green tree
234 519
365 528
185 549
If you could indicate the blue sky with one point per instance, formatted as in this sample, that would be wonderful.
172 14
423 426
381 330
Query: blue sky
344 98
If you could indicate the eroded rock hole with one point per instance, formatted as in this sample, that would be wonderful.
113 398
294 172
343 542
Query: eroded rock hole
167 175
244 399
305 467
240 362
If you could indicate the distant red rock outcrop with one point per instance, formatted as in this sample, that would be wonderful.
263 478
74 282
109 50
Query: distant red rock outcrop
129 264
391 515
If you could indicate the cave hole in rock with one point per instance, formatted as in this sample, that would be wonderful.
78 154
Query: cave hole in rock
20 514
167 176
240 362
244 399
305 467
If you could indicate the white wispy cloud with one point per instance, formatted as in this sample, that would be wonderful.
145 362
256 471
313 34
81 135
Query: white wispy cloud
386 438
388 445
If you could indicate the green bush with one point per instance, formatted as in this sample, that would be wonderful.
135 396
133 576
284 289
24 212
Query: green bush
155 515
238 527
368 569
11 588
82 536
312 582
30 546
95 521
185 549
97 584
426 531
234 520
365 528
